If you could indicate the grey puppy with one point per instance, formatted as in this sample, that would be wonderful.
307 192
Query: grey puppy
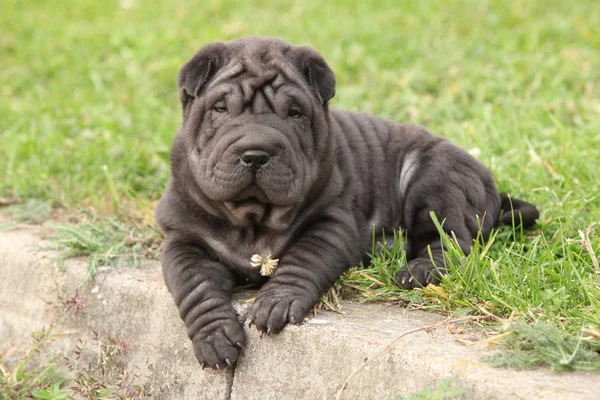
261 165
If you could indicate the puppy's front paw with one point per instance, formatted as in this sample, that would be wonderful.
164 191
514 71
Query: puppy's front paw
420 272
273 309
219 347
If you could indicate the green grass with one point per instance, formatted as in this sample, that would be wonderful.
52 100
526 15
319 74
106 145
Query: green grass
106 241
441 392
88 109
557 293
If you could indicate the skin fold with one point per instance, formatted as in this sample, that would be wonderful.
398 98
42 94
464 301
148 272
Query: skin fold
261 165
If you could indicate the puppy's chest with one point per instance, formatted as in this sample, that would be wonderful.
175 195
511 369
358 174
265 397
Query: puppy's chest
236 248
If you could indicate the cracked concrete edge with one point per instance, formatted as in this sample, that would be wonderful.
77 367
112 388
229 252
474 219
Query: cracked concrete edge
308 361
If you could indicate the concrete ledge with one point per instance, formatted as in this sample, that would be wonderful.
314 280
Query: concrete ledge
310 361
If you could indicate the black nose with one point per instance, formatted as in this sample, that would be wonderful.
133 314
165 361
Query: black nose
255 158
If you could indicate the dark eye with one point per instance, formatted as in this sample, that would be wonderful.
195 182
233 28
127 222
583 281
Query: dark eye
220 108
294 112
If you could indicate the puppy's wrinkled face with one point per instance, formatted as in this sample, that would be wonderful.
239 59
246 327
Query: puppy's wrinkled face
253 127
255 141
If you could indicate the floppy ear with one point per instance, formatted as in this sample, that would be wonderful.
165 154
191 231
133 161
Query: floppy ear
318 74
197 72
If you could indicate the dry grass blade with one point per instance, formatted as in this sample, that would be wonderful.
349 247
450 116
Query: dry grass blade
8 201
593 332
409 332
587 245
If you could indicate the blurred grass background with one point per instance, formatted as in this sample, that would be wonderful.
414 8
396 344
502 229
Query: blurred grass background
89 84
86 84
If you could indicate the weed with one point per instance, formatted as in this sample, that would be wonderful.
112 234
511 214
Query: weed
73 304
441 392
107 241
543 344
33 211
104 374
26 381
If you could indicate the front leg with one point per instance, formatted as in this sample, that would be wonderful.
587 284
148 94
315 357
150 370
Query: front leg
311 266
202 288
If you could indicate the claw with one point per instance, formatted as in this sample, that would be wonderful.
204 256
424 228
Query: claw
403 280
203 365
260 335
293 319
228 361
268 331
217 366
250 323
429 279
410 280
241 346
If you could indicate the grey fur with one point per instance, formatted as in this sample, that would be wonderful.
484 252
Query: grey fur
262 166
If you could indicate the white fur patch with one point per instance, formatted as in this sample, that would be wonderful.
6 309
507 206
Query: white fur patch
409 167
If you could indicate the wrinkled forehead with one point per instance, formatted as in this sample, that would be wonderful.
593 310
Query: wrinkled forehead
257 79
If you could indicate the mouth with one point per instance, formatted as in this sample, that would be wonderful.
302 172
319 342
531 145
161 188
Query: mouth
251 195
249 211
250 205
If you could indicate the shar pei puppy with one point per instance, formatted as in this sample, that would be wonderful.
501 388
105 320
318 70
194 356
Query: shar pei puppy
263 170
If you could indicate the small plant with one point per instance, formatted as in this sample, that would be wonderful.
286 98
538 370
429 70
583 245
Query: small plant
104 374
33 211
54 392
74 303
441 392
25 381
543 344
106 240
